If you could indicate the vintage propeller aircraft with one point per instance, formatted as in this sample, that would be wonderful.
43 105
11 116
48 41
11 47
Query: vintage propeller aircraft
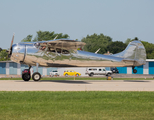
67 53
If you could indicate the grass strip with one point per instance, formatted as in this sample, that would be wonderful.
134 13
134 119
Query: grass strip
87 105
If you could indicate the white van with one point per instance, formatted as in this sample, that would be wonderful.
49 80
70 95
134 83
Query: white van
98 71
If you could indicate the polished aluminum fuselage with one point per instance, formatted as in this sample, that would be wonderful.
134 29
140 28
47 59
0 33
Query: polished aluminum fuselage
30 54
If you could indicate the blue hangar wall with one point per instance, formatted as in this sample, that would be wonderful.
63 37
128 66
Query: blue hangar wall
148 68
2 68
128 70
11 68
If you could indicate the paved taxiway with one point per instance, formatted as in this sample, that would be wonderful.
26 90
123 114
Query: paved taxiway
80 85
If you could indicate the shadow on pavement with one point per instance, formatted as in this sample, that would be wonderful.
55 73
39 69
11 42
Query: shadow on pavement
66 81
83 81
58 81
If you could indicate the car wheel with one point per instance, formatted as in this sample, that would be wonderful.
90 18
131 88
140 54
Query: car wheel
66 75
91 74
26 77
56 74
77 75
109 74
36 76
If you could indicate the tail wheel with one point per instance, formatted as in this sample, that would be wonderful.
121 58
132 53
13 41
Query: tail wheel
36 76
26 77
134 71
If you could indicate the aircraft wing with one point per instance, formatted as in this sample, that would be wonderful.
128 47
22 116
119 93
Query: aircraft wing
62 43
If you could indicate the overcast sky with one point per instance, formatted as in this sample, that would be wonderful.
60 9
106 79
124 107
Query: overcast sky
119 19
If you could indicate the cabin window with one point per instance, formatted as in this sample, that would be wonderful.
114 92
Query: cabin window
51 48
62 51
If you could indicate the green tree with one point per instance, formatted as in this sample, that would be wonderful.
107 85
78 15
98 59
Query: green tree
46 35
27 39
3 55
149 49
94 42
128 41
116 47
1 49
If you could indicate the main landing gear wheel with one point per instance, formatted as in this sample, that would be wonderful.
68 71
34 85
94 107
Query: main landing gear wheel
26 74
26 77
36 76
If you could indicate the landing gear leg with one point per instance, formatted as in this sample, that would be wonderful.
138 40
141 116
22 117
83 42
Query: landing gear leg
26 76
134 70
29 67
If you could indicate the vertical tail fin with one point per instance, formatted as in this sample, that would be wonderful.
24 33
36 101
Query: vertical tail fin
135 51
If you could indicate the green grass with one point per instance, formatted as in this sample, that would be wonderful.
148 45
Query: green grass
10 78
76 105
79 78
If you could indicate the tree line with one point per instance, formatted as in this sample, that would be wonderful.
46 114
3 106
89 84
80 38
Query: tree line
45 36
93 43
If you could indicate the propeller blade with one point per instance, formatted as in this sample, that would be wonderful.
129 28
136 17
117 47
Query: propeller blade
11 44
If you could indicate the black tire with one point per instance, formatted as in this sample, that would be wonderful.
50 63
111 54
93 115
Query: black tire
91 74
77 75
26 77
56 74
66 75
109 74
36 76
134 71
